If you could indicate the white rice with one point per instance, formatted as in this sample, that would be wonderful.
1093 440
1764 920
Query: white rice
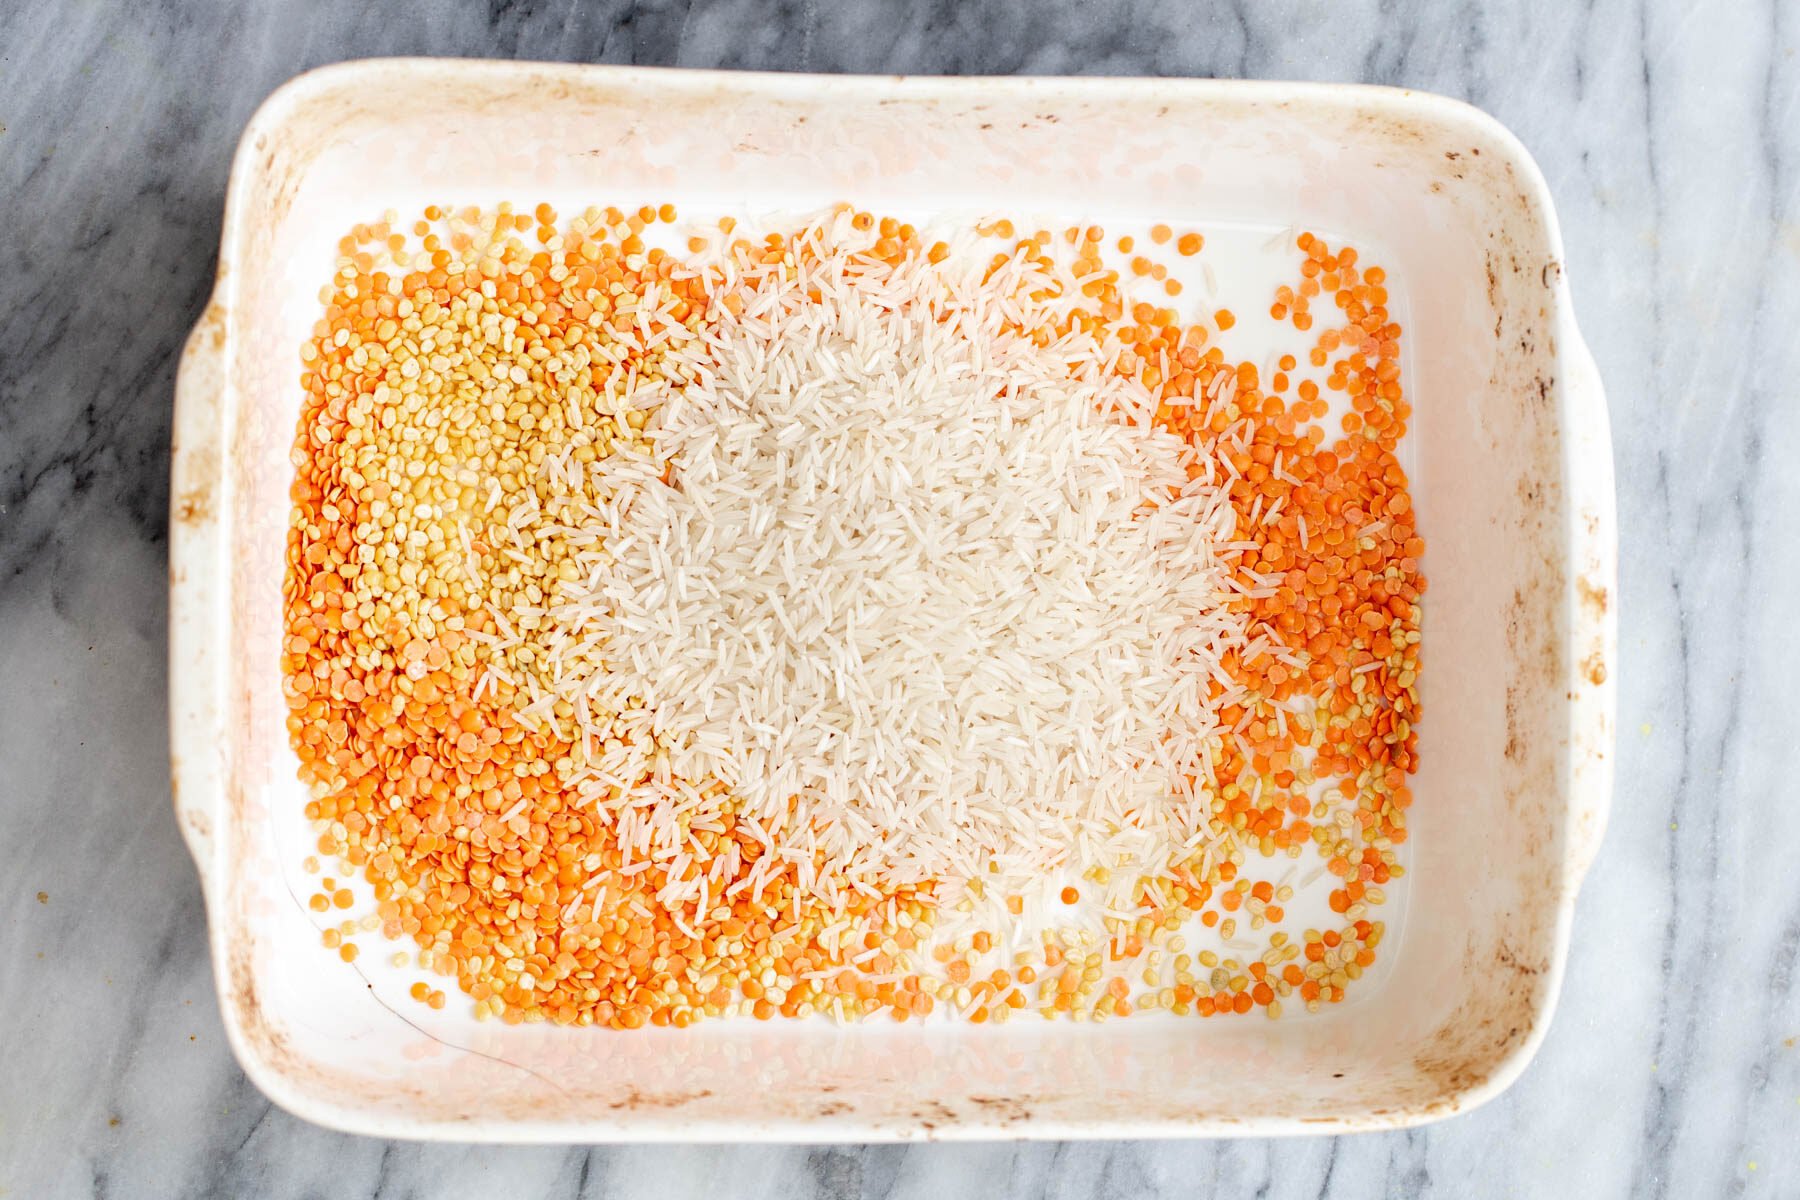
930 601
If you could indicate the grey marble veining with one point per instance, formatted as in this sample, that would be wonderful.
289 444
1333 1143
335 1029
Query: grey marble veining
1670 134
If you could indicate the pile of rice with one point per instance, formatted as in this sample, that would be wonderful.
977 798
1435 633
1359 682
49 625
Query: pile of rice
910 585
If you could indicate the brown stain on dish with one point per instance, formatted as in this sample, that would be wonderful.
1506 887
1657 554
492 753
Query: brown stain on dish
1010 1109
1518 617
1474 1040
212 327
205 355
194 506
261 1037
1404 133
1594 598
636 1101
1506 956
932 1114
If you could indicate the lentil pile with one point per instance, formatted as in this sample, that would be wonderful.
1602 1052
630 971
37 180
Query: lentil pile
573 515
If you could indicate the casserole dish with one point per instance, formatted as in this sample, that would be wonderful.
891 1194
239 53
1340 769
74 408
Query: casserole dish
1511 478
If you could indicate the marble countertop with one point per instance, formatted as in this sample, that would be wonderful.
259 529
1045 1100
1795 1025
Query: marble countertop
1670 133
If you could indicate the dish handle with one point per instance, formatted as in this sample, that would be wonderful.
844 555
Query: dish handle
197 576
1594 623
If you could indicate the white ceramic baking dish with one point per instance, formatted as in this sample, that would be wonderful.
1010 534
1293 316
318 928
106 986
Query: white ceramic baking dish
1512 481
